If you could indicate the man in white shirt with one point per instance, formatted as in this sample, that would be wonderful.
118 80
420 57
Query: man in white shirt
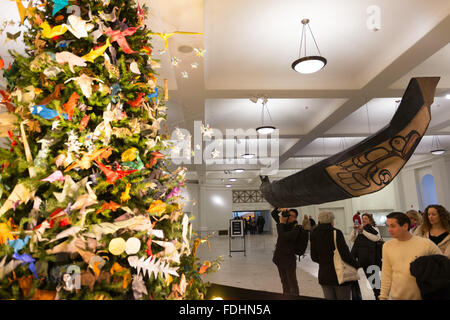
398 253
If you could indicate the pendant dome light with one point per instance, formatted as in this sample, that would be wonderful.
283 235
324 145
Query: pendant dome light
308 64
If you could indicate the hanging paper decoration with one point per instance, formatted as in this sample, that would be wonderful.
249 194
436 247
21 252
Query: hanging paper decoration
58 5
200 52
166 36
152 266
133 246
26 258
157 207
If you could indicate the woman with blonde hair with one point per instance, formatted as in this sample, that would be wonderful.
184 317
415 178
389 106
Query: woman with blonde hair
436 227
415 218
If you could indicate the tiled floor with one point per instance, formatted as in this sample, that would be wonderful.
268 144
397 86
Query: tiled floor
257 271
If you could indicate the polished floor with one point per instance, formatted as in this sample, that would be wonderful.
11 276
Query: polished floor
255 270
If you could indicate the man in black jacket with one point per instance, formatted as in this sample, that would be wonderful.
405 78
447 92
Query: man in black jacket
284 255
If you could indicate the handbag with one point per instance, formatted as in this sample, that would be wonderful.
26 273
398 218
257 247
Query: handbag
344 271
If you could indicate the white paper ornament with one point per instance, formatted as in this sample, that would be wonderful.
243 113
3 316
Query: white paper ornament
117 246
132 246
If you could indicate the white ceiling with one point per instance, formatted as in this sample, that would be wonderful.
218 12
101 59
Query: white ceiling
250 46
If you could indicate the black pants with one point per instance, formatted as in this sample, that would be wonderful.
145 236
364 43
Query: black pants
288 278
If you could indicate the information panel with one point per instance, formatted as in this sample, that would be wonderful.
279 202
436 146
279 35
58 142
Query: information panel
236 228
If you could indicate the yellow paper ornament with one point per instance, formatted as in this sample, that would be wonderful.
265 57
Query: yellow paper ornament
51 32
117 246
157 207
129 155
126 194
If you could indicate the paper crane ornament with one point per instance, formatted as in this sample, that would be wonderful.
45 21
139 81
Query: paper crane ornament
85 84
58 5
49 32
55 176
95 53
71 59
78 27
119 37
111 175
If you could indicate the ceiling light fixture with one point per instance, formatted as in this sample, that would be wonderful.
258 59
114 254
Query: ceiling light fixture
232 179
228 186
265 129
308 64
436 147
248 156
447 96
238 170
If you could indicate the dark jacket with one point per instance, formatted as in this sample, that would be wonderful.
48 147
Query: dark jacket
322 249
432 276
364 250
284 253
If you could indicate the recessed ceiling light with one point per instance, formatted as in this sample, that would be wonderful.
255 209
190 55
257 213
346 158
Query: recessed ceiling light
185 49
248 156
228 186
238 170
265 129
232 179
447 96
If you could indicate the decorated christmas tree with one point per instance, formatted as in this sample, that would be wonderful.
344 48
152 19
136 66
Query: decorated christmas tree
88 207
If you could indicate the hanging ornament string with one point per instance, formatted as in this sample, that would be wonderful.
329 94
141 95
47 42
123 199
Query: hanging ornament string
368 118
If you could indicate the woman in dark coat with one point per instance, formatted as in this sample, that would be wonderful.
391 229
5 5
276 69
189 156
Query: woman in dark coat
364 249
322 250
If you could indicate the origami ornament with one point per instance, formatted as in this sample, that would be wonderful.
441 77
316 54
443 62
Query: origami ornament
109 17
52 72
55 176
125 273
154 160
166 36
70 188
69 107
112 176
138 286
98 230
79 27
119 37
55 95
206 265
111 205
170 252
99 32
152 266
58 5
117 246
200 52
129 154
137 102
157 207
46 113
85 84
95 53
20 192
134 68
49 32
26 258
133 246
71 59
138 165
126 194
86 160
5 270
5 233
84 122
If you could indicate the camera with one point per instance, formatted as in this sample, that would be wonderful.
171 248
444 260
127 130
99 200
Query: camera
285 214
